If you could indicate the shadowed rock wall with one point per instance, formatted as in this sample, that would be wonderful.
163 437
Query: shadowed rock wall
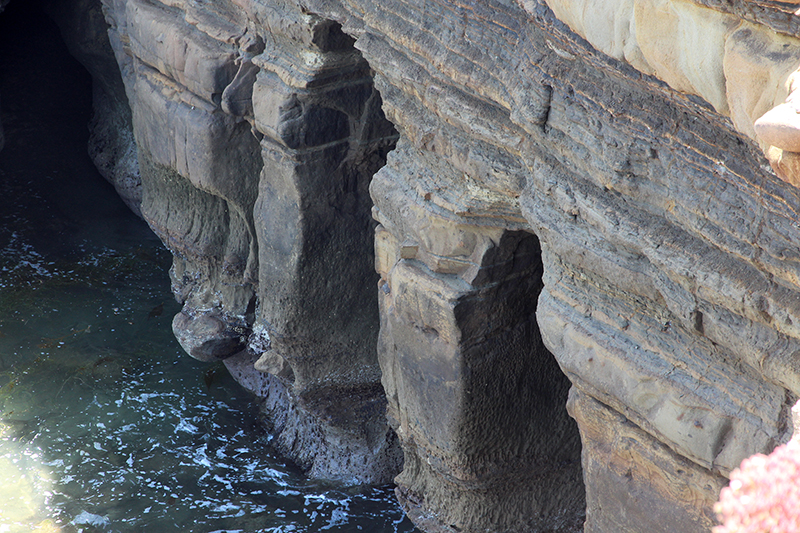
576 217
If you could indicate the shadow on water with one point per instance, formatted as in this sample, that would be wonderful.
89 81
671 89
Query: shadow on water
104 424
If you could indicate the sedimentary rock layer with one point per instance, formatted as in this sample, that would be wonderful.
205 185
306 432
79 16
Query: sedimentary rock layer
669 278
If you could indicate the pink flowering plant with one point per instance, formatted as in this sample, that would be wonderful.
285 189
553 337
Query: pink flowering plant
763 495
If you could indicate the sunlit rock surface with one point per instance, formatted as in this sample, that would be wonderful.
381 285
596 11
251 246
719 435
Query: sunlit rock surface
577 238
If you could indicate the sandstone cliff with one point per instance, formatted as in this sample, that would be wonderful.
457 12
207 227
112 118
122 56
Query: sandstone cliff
573 221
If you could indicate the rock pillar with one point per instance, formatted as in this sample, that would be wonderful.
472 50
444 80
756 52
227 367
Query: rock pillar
476 399
324 136
258 130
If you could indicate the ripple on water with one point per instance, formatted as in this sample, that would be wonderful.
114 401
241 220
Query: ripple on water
106 426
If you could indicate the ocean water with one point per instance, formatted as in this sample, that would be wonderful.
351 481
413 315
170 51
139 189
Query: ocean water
105 424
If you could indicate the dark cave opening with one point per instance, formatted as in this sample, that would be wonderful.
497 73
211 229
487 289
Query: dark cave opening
50 191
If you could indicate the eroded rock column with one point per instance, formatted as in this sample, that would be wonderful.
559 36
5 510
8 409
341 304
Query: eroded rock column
258 130
474 396
199 166
324 136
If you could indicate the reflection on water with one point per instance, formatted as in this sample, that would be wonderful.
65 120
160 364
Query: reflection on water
105 425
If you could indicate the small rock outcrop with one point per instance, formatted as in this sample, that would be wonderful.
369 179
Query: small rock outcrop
539 259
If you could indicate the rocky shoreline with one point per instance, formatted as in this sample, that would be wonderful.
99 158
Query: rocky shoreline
535 261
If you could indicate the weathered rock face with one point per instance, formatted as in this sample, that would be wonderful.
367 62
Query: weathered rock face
258 130
670 280
576 223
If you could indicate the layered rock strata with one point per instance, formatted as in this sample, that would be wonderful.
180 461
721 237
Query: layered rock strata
577 199
669 276
258 130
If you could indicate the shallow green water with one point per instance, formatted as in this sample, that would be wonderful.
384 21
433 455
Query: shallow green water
105 425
